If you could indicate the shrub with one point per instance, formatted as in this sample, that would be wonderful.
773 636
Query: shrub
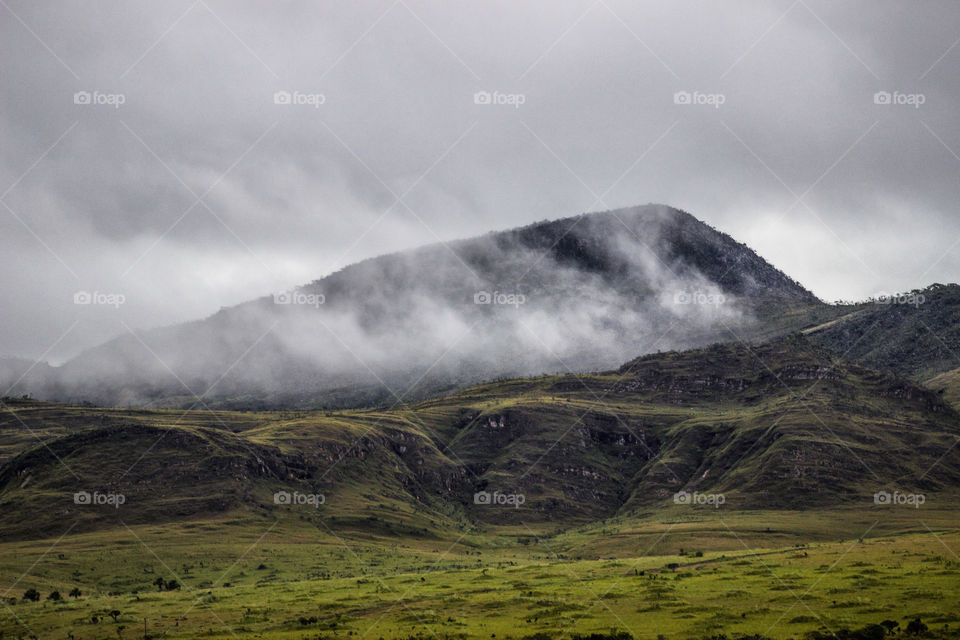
916 627
613 635
870 632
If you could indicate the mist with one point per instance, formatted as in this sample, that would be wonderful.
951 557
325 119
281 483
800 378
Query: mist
574 295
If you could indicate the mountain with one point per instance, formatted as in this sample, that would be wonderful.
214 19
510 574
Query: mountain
757 439
780 425
914 334
23 374
576 294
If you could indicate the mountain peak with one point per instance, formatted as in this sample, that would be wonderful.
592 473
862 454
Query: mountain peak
575 294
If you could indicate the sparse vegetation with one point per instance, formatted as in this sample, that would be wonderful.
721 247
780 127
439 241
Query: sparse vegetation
515 591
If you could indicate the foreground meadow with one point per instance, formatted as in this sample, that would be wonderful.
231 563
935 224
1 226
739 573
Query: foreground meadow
290 581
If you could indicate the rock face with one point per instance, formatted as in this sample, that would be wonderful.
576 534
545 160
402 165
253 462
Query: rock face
571 294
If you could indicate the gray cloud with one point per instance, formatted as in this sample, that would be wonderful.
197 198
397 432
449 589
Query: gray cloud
296 192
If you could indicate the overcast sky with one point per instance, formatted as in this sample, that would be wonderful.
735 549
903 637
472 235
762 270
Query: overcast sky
186 183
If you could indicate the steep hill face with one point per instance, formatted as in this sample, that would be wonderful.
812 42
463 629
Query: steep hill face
778 425
574 294
915 335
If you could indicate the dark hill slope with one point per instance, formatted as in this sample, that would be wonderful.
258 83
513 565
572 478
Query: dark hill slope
915 335
778 425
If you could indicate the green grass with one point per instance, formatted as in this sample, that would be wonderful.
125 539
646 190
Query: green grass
261 583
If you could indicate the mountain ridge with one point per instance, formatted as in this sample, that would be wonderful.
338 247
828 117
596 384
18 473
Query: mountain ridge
783 425
585 290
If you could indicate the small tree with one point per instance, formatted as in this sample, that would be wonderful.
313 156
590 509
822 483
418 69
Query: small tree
75 593
173 585
916 627
54 595
114 614
159 582
31 594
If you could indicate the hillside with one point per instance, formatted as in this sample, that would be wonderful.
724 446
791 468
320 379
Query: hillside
571 294
915 335
776 426
948 384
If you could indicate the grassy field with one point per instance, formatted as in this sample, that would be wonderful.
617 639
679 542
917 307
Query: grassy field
677 577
